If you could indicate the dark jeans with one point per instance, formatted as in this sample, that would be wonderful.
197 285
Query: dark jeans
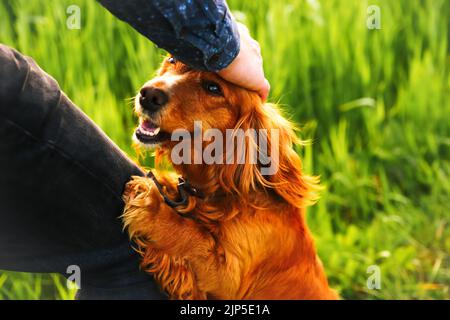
61 181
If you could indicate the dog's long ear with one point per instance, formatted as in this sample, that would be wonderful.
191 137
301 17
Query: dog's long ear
278 166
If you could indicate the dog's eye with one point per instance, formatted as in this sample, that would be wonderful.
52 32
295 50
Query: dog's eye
212 88
172 60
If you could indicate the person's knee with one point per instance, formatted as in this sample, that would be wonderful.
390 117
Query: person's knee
12 74
24 85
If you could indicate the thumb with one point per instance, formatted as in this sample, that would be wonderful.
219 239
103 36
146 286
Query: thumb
264 90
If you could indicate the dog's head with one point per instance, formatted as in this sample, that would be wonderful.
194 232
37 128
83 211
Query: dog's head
179 97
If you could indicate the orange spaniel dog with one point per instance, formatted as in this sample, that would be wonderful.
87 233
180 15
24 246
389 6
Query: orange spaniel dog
234 231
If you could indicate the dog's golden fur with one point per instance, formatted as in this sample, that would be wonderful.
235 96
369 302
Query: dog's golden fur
247 238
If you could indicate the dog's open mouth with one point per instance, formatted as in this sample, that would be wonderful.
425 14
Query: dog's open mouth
150 133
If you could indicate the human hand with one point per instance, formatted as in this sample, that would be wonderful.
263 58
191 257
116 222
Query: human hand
246 70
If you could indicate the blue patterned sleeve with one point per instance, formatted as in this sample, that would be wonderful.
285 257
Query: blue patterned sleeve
201 33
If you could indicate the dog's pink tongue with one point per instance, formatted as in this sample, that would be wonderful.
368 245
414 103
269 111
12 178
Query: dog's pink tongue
148 126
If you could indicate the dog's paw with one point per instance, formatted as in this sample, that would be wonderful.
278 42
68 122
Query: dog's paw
139 192
141 205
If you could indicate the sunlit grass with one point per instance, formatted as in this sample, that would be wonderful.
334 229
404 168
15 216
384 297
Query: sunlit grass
375 103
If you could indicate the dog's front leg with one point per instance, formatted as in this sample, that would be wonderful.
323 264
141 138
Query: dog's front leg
170 244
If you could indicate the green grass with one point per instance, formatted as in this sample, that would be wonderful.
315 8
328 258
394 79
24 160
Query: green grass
375 103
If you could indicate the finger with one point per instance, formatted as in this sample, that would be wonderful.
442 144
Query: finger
256 46
264 91
243 29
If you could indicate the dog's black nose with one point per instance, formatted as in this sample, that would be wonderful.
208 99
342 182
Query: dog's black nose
152 99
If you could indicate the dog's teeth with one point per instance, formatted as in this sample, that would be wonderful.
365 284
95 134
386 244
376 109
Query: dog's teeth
150 133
